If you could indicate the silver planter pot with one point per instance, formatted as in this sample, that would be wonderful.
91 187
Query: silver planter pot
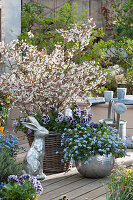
98 167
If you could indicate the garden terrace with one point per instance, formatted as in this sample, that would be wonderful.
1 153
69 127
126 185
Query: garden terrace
50 66
71 183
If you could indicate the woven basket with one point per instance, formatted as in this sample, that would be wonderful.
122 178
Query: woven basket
52 161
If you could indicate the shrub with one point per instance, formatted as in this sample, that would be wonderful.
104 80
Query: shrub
120 185
8 165
123 19
41 31
121 53
34 19
43 80
122 46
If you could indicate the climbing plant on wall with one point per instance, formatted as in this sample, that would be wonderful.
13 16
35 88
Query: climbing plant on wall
44 27
123 15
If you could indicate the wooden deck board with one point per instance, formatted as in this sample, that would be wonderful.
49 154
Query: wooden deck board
75 187
92 195
64 177
102 197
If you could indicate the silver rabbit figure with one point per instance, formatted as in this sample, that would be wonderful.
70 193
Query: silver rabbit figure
33 161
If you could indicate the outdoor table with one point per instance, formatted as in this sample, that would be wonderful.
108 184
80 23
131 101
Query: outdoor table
127 101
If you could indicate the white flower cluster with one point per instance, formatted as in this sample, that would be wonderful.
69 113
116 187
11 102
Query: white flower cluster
80 35
41 80
30 34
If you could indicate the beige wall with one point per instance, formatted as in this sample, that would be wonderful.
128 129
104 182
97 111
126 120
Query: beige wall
98 111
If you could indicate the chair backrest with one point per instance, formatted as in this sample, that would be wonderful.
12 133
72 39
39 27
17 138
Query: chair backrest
118 108
115 110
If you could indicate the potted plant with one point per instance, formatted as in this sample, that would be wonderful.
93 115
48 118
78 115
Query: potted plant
64 197
55 122
24 187
120 185
93 147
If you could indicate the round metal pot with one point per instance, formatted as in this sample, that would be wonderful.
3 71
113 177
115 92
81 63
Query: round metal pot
96 167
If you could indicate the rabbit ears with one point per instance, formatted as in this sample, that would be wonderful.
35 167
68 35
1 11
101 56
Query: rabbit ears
30 126
34 125
34 121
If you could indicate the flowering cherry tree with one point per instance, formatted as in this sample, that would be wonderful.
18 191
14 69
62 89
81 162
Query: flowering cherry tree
41 80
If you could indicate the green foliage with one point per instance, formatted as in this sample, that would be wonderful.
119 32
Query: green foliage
124 53
120 48
44 27
112 85
5 105
30 12
8 165
120 53
96 49
101 90
23 188
14 191
120 185
123 25
45 35
123 56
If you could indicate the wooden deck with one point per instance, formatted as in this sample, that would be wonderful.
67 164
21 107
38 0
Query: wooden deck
71 183
74 186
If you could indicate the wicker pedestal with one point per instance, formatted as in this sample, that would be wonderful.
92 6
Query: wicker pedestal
53 161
